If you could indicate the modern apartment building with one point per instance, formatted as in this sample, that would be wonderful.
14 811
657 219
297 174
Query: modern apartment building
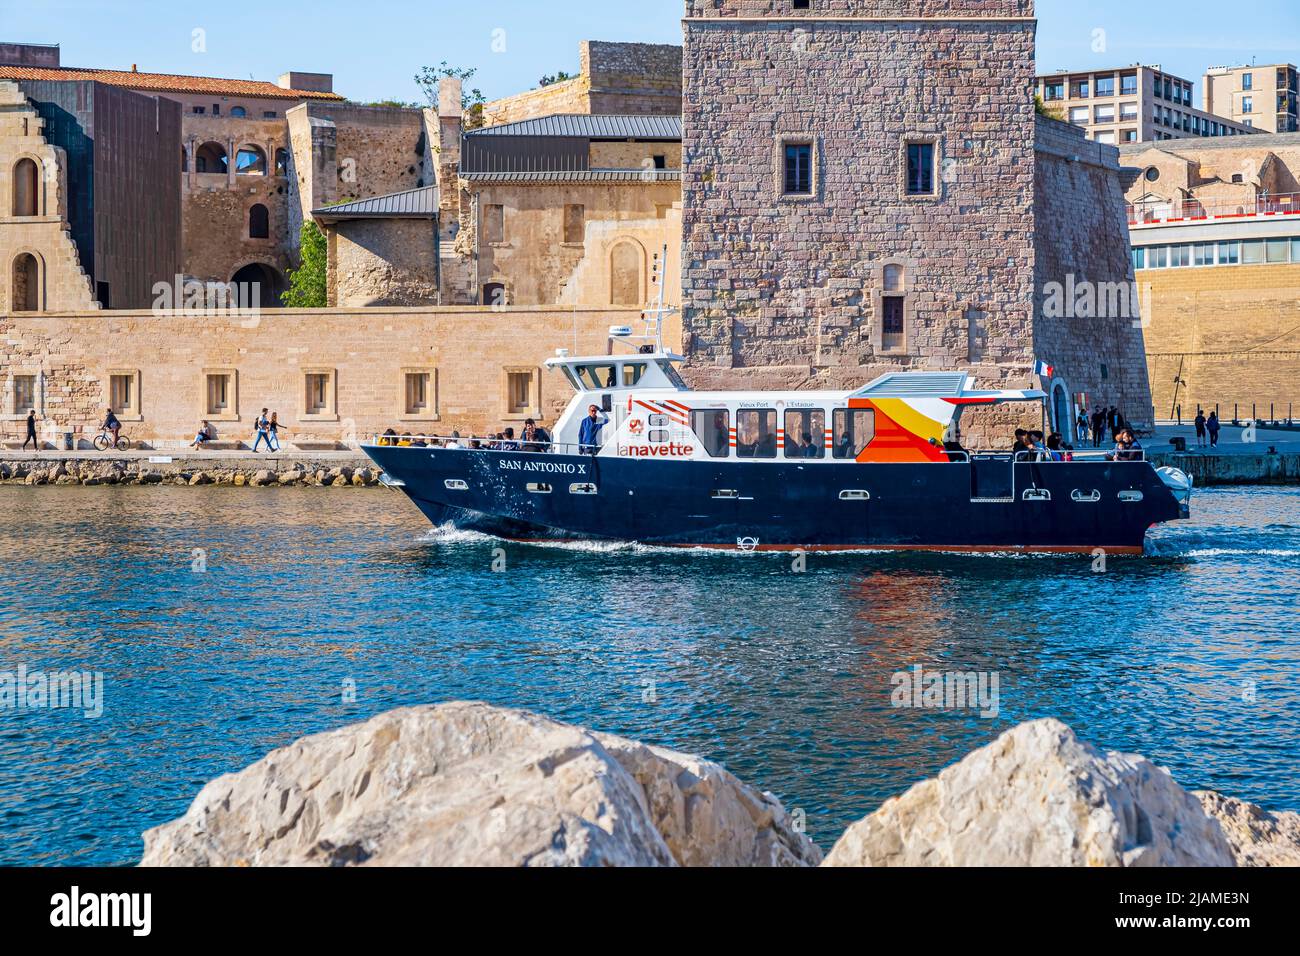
1133 104
1261 97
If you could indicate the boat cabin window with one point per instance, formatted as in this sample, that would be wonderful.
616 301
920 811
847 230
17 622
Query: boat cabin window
713 429
670 373
805 433
756 433
633 372
594 377
853 430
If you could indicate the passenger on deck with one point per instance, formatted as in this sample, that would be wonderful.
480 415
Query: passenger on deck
535 438
1021 443
1034 441
388 438
1055 447
589 431
1127 447
508 442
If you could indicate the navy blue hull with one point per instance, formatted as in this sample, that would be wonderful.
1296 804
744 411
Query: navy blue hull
989 504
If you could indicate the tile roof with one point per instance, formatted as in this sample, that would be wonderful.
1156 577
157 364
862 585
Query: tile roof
409 204
578 176
589 127
164 82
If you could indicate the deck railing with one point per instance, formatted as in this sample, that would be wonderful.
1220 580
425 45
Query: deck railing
1197 210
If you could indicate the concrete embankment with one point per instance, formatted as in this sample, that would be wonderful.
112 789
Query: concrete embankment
1234 469
325 469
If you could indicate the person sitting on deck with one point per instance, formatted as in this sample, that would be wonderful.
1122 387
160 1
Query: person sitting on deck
1055 447
388 438
508 442
589 431
809 449
535 438
1021 443
1127 447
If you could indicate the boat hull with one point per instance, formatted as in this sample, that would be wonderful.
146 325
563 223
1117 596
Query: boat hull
991 504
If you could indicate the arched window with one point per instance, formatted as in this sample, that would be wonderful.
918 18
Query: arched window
895 279
210 158
25 287
238 111
250 161
282 162
27 183
625 264
259 222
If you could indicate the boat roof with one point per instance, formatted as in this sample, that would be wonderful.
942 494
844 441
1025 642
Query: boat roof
941 385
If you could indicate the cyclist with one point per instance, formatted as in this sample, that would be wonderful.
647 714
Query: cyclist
111 425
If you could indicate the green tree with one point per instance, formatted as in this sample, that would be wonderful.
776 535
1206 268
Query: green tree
560 77
472 99
307 282
1051 112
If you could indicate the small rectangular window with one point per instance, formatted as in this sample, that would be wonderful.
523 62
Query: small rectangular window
713 429
519 388
920 169
594 377
1252 251
1276 250
220 399
1229 253
575 223
805 433
318 393
121 394
24 394
661 161
756 433
417 393
853 429
1105 86
892 325
1139 258
633 372
798 169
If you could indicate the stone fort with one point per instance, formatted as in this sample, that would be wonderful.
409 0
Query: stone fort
830 189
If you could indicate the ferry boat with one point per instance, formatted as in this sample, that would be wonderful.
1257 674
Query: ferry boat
877 468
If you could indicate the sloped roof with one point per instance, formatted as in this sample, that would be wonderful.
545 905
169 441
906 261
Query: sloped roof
165 82
584 126
409 204
577 176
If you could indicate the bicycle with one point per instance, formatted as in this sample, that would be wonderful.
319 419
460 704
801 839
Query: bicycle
104 440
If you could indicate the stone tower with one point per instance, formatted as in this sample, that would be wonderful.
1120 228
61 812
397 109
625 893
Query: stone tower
859 191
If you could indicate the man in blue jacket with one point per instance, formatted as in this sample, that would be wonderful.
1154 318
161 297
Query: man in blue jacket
589 431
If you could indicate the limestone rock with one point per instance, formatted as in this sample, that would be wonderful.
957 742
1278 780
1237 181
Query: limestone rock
708 817
1038 796
1256 836
263 478
470 784
290 477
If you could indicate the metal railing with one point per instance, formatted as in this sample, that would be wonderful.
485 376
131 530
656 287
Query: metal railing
1184 210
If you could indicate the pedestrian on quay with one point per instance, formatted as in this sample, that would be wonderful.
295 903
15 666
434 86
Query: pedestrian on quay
262 428
273 430
1098 426
1212 427
31 432
1081 427
1116 422
1200 428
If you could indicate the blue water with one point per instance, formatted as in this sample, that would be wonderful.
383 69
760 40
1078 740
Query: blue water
1190 656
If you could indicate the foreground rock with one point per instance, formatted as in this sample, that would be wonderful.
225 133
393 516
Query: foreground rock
1256 836
469 784
1038 796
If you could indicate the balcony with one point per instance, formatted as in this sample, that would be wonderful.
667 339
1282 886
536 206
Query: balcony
1194 210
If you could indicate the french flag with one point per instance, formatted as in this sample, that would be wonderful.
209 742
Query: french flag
1044 369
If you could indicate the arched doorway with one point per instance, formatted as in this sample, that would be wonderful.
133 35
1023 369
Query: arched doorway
25 285
259 285
27 181
1062 415
259 222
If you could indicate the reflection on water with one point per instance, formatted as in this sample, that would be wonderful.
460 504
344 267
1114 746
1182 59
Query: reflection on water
1188 656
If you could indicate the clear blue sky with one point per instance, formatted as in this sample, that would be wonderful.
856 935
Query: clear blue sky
374 47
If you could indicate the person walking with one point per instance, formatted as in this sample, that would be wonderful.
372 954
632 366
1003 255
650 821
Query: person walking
31 432
262 427
1098 426
1212 427
1116 422
273 430
1200 428
1081 427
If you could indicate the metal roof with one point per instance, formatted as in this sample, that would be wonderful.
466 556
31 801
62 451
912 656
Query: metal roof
578 176
940 385
410 204
589 127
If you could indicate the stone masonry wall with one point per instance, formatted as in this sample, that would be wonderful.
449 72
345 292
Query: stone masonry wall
466 350
382 262
785 290
1081 242
63 282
